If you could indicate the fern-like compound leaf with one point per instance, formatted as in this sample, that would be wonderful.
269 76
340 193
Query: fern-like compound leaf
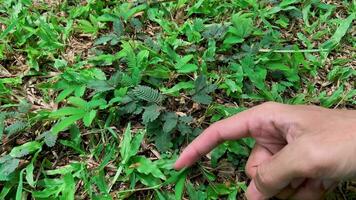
147 94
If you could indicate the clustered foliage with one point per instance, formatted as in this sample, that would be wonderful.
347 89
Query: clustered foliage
97 98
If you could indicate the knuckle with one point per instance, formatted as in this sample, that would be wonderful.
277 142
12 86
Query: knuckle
270 105
249 170
215 129
197 152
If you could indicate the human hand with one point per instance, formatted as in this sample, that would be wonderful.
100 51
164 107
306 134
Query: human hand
300 151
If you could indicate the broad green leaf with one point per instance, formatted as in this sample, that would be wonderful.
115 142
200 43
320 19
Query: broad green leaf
2 126
69 188
151 113
7 167
30 169
78 102
339 33
89 117
65 123
68 169
146 166
171 120
25 149
176 88
288 2
217 153
16 127
64 94
87 27
6 188
202 98
109 154
9 29
95 103
100 85
50 139
20 186
187 68
125 144
67 111
179 187
328 101
100 181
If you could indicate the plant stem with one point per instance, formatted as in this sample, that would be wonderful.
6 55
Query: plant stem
293 51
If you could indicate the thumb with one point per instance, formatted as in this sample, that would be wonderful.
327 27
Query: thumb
275 174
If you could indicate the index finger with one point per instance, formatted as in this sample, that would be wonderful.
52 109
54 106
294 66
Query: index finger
232 128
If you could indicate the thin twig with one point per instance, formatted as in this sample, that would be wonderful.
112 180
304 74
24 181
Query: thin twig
292 51
141 189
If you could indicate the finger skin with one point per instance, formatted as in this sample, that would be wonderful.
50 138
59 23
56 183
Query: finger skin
259 154
253 193
305 142
311 190
277 173
255 122
235 127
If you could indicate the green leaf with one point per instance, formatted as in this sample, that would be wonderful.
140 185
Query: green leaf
62 170
147 94
20 186
67 111
2 126
78 102
237 148
202 90
179 187
7 167
187 68
15 127
176 88
217 153
6 188
50 139
100 85
69 188
25 149
328 101
65 123
125 145
242 28
163 141
87 27
9 29
29 170
339 33
129 146
193 194
151 113
64 94
89 117
202 99
171 120
118 28
95 103
285 3
146 166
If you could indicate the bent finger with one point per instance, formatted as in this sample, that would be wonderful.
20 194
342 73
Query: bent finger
258 155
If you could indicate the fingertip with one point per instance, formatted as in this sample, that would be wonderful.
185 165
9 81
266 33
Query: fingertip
181 162
252 192
177 166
